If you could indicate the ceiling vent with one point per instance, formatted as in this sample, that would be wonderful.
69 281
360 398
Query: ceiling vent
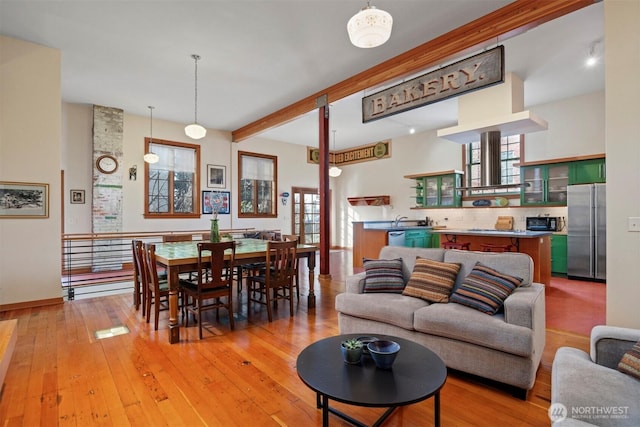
497 108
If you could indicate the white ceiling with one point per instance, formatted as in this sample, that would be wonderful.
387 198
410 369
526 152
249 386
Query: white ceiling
263 55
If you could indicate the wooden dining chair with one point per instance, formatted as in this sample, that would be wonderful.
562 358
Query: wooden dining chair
294 238
139 292
214 282
166 238
157 289
276 281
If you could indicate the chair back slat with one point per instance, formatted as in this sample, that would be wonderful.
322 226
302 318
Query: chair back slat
281 256
177 238
220 270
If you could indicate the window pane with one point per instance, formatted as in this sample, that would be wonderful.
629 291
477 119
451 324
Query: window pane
257 183
183 192
158 201
246 196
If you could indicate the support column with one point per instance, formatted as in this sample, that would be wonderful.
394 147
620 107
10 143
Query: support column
325 223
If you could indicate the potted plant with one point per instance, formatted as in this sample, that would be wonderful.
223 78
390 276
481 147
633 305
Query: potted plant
351 350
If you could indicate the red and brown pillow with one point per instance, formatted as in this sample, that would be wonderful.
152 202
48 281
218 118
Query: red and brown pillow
630 362
432 280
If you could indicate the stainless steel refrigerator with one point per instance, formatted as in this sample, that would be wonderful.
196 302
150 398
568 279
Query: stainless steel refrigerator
586 231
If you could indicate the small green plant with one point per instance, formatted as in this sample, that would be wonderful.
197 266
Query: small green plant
352 344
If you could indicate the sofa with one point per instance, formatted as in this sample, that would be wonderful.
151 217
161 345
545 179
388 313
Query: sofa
588 389
505 347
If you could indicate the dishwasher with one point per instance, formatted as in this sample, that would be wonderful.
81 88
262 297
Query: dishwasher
396 238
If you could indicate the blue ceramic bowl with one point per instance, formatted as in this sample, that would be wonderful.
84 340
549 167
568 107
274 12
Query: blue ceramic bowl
365 342
383 352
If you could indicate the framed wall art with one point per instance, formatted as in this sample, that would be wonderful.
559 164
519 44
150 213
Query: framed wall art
77 196
216 176
24 200
216 202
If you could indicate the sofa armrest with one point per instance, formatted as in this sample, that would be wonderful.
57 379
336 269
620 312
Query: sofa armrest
354 284
526 307
609 343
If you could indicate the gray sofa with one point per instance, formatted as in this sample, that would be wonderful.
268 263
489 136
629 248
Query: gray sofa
590 388
505 347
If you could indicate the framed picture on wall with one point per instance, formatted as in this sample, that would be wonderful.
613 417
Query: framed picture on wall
24 200
216 176
216 201
77 196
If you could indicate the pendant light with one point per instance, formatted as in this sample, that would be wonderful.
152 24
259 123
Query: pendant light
334 171
151 157
371 27
194 130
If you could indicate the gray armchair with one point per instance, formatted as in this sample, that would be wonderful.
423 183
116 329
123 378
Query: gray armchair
590 387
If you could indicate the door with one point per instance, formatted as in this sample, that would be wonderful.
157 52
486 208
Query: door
305 214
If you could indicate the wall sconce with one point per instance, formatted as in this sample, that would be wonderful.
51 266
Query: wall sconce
284 197
133 173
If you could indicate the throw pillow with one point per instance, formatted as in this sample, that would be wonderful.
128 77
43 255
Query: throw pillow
383 275
630 362
432 280
485 289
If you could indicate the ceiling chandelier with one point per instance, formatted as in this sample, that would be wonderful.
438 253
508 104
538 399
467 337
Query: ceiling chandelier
334 171
194 130
371 27
151 157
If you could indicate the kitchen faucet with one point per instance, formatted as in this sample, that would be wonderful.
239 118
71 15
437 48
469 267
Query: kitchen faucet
398 219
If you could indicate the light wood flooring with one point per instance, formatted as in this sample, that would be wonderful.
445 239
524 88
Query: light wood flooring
61 374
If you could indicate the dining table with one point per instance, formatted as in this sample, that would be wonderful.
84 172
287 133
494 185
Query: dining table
182 257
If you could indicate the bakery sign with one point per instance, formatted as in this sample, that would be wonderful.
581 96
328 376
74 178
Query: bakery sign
364 153
476 72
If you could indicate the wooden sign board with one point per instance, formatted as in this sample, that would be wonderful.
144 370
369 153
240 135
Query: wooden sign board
363 153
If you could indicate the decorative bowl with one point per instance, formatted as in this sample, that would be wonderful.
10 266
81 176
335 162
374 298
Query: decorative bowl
383 352
365 341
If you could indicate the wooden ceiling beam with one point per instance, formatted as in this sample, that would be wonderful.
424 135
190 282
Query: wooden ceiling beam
506 22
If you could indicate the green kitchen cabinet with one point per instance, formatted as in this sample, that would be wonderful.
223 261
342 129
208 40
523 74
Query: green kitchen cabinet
417 238
437 190
544 184
419 189
587 171
558 254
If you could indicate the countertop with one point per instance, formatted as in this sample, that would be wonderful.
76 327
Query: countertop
389 225
495 233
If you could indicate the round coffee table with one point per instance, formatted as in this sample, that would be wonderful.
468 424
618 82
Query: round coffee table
417 374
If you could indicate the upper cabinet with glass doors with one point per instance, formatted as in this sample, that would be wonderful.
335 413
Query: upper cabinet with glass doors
437 190
544 184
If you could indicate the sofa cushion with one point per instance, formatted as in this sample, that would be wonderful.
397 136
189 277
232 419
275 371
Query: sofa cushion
485 289
394 309
432 280
514 263
630 362
383 275
460 323
409 256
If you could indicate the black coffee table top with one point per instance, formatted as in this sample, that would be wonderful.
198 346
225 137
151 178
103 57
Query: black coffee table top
417 373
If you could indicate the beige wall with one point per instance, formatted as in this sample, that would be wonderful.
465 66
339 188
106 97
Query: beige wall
622 57
30 120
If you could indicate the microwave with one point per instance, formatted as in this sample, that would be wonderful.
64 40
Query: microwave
542 223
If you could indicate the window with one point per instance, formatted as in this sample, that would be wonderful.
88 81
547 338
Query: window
257 183
509 156
172 185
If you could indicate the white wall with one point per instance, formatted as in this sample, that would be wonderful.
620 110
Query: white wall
622 55
30 151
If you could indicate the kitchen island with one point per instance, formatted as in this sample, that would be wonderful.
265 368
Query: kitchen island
536 244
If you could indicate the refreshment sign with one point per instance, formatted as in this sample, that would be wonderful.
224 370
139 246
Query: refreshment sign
364 153
476 72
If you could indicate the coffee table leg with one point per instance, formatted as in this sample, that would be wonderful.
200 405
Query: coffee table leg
437 409
325 411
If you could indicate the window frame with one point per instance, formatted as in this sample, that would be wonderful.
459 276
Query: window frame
196 185
274 189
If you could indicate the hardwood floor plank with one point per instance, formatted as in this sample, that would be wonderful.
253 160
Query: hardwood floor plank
61 374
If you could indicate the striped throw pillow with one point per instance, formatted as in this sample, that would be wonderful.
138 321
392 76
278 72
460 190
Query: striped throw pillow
432 280
630 362
485 289
383 275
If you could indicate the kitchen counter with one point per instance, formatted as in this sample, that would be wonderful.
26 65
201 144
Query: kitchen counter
497 233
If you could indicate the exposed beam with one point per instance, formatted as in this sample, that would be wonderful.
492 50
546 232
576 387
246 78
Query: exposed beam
513 19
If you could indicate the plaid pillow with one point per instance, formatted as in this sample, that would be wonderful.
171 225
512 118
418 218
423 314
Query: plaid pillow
383 275
485 289
630 362
432 280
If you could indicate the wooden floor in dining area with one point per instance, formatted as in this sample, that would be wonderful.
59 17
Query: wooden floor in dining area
61 374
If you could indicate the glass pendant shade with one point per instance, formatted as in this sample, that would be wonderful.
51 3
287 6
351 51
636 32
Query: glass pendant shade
371 27
195 131
151 157
335 171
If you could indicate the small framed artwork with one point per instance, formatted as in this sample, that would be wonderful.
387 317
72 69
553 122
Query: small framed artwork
216 176
24 200
217 202
77 196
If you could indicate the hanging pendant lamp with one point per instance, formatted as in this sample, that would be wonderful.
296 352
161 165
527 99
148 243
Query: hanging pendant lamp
371 27
334 171
194 130
151 157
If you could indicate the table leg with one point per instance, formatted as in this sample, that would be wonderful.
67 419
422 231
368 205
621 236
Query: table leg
325 411
174 327
436 409
311 264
